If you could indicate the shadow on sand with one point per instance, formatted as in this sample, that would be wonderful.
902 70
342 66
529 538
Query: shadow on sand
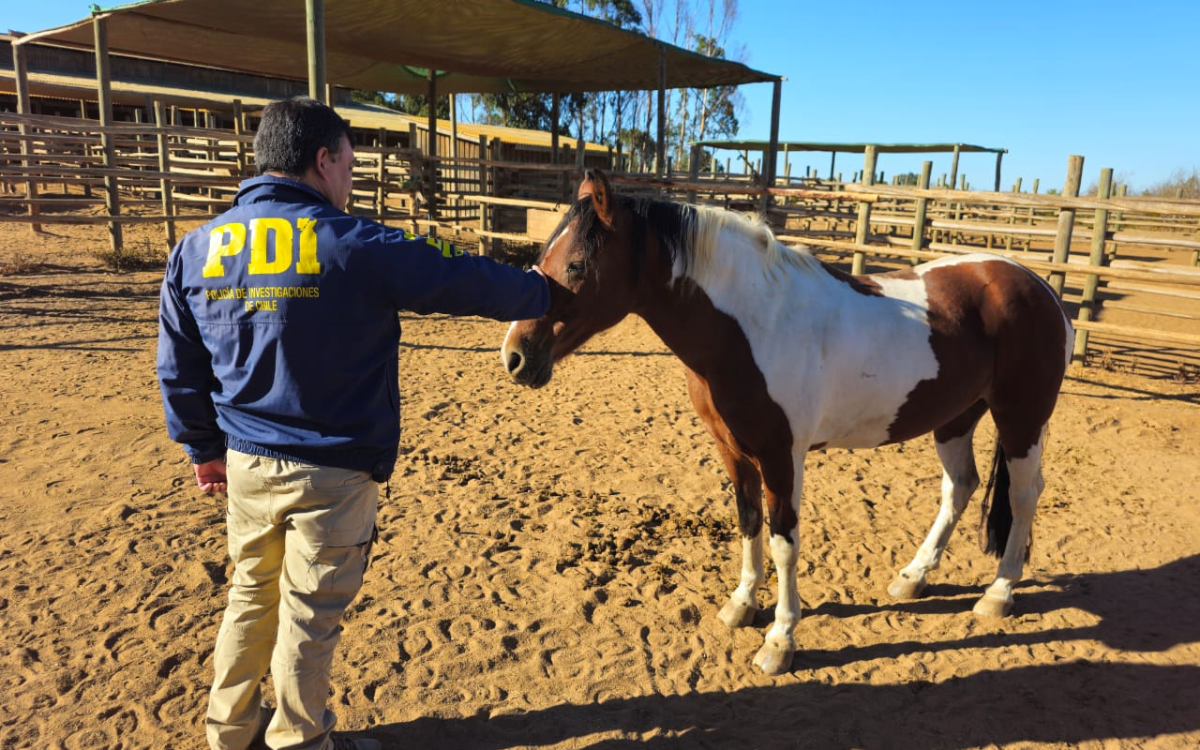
1070 702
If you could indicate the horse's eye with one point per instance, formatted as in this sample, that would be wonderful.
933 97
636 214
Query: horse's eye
576 269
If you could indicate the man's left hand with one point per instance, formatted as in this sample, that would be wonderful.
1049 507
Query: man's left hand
210 476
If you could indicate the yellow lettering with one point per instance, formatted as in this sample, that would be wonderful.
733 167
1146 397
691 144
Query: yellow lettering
281 231
223 241
448 250
308 246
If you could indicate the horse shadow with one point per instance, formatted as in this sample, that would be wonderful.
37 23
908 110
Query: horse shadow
1069 702
1136 611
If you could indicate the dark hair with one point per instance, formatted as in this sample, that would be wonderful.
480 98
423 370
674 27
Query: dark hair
291 133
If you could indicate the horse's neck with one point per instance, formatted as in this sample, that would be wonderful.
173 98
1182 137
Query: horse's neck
697 317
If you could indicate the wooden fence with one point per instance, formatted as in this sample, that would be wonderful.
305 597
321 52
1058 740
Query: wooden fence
1126 256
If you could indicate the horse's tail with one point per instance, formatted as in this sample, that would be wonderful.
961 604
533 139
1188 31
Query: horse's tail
996 507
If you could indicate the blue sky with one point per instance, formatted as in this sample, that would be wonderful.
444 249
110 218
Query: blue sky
1116 82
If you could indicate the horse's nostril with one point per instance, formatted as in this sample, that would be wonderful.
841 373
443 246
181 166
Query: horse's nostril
514 362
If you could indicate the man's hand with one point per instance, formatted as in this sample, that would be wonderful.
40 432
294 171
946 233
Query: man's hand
210 476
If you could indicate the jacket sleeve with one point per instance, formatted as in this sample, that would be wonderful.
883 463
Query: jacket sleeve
185 374
424 277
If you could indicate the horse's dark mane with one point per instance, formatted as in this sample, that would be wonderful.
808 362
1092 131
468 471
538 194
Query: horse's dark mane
673 224
685 234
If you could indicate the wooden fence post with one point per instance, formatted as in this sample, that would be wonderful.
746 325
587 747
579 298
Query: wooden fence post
918 238
381 175
1117 226
694 169
1032 213
164 168
20 69
1066 223
858 265
1012 216
239 130
485 223
1096 259
495 152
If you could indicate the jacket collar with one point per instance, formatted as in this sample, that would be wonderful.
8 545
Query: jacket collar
267 187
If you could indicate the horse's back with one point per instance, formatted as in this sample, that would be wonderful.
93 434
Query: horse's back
998 332
936 340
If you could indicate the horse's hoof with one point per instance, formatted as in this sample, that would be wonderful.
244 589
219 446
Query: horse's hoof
993 606
736 615
773 659
906 588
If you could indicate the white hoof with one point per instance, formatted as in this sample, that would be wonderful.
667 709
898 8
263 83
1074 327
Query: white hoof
906 588
736 615
993 606
773 658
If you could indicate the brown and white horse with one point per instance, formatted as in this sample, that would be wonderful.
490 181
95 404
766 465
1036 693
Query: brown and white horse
785 354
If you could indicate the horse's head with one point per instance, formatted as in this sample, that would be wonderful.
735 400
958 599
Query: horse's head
588 262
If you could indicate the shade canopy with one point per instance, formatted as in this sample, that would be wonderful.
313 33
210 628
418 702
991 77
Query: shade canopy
483 46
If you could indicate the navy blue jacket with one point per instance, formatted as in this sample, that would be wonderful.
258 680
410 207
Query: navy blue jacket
279 327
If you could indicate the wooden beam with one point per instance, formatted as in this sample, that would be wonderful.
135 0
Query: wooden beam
315 21
431 152
922 208
164 167
661 146
862 229
1066 221
580 145
1096 258
239 129
772 153
104 88
21 71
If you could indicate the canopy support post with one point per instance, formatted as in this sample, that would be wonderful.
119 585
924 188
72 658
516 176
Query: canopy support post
315 20
660 160
104 88
772 154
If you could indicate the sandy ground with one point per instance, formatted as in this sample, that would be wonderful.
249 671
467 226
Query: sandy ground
551 562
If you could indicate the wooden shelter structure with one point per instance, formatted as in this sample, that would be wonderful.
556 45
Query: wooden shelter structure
405 46
399 46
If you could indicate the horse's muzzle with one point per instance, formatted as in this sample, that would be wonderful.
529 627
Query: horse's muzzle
533 372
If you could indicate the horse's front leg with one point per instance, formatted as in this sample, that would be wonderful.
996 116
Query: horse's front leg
783 486
739 611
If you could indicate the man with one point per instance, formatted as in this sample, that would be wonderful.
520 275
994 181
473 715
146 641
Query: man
278 365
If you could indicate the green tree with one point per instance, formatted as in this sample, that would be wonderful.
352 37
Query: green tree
412 104
619 118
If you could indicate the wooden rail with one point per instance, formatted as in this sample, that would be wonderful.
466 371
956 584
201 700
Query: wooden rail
172 174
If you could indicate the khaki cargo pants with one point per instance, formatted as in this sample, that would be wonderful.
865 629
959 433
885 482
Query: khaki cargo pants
299 538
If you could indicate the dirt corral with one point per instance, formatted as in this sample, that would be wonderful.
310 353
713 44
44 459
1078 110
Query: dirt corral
551 562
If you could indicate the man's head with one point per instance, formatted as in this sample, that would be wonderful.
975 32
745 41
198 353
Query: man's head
305 140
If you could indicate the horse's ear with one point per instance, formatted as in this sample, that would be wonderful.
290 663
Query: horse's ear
595 184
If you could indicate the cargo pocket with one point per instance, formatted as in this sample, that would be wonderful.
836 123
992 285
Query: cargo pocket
336 572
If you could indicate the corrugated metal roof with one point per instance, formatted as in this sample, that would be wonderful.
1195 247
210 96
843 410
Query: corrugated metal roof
485 46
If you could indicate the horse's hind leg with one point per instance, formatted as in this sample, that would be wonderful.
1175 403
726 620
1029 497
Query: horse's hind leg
1024 487
954 443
